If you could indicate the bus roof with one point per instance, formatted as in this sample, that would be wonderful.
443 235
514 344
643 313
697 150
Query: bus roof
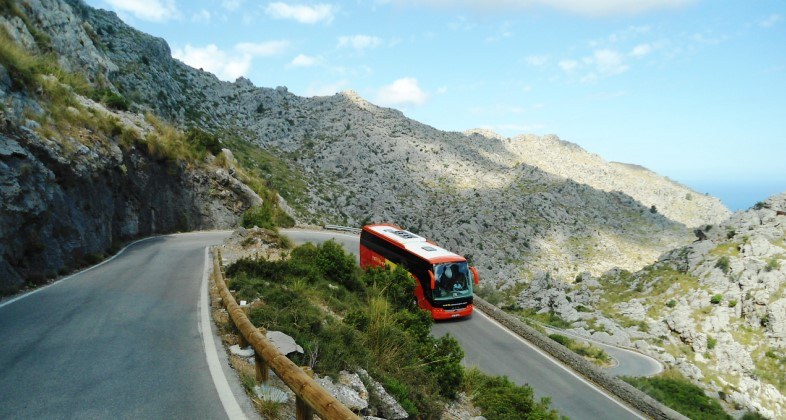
413 243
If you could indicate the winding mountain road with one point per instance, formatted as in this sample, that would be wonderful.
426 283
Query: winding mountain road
120 340
125 339
496 350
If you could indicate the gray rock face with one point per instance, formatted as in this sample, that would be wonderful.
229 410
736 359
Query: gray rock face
56 213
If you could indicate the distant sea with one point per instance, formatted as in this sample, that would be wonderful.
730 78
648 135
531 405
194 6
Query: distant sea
739 195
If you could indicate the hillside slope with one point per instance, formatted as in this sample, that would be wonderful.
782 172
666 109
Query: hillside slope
351 161
715 309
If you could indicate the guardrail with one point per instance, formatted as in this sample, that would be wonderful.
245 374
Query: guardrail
343 228
311 397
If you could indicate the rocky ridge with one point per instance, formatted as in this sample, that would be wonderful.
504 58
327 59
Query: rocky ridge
568 160
715 309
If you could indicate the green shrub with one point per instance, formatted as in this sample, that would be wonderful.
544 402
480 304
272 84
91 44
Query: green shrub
732 303
444 362
724 264
259 216
397 285
772 264
338 266
680 395
116 101
716 299
203 141
671 303
499 398
711 342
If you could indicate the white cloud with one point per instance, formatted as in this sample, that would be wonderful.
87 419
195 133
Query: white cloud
537 60
770 20
263 49
227 65
231 5
568 65
326 90
210 58
609 62
641 50
303 60
593 8
303 14
359 42
151 10
202 16
503 32
404 91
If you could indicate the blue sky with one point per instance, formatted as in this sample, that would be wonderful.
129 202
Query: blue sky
692 89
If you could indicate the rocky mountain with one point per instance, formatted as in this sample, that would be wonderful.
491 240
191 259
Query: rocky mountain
715 309
348 161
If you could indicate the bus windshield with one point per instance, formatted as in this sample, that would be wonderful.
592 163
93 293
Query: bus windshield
453 280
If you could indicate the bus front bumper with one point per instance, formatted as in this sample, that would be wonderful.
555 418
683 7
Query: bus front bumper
440 314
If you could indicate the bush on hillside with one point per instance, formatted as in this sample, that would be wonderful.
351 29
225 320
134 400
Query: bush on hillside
499 398
355 319
680 395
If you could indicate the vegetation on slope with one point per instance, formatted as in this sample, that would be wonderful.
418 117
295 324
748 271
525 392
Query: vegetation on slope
675 391
347 319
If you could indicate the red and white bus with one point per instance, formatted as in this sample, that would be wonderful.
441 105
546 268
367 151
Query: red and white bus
443 280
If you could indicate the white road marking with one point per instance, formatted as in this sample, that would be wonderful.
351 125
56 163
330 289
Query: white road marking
565 368
231 406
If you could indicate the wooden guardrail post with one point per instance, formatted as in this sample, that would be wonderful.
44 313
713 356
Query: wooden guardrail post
311 397
302 410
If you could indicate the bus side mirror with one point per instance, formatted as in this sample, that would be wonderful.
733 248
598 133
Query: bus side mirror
433 279
475 275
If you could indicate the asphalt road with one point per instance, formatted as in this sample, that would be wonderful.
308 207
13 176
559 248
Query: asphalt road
495 350
120 340
629 362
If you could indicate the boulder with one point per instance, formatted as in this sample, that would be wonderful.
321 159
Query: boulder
388 406
349 395
284 343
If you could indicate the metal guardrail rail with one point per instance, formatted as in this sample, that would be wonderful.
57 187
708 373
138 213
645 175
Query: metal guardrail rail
311 397
343 228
